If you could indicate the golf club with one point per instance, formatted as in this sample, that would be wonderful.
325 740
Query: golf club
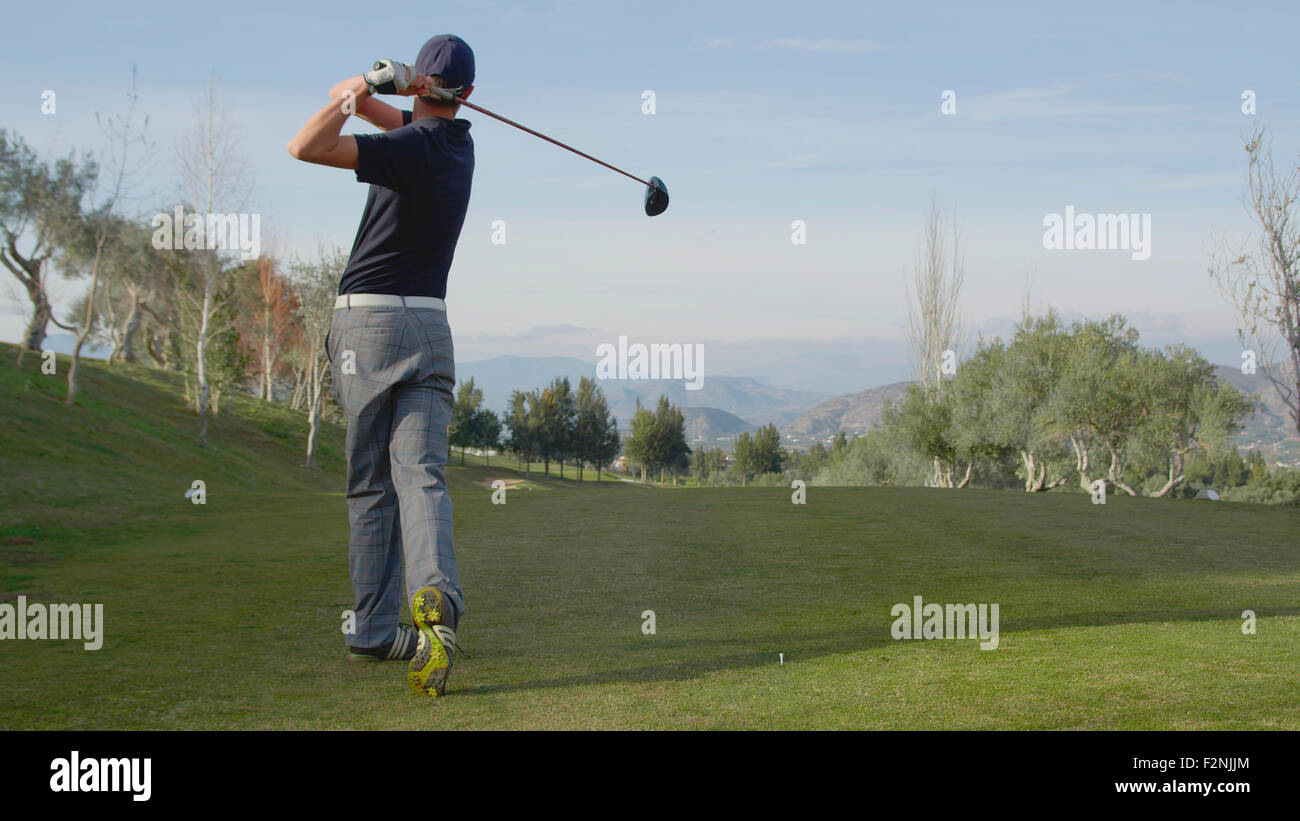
656 193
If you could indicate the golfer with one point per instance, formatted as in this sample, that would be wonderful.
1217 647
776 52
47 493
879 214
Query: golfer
391 353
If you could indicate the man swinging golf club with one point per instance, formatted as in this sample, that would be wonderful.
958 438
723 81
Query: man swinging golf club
390 349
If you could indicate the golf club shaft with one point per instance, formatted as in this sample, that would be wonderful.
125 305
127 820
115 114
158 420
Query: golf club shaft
482 110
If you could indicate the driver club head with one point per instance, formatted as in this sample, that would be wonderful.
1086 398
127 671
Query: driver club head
656 197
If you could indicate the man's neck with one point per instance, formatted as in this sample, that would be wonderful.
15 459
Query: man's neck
424 109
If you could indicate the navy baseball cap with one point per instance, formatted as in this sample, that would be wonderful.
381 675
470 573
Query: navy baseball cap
450 58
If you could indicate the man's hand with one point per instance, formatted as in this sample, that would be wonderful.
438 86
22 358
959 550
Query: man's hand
392 77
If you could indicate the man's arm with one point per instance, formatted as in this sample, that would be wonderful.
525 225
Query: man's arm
319 141
376 112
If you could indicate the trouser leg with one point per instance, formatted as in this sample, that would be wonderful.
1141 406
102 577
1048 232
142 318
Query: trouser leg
418 450
366 342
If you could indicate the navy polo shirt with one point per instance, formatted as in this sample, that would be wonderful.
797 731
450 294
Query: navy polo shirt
419 178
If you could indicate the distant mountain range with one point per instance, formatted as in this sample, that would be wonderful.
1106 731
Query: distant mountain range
855 414
710 425
753 401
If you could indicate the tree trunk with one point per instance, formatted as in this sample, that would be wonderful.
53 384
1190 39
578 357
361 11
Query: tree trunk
1081 462
201 352
1033 478
202 394
74 368
87 322
937 478
171 345
299 388
34 336
1175 474
966 479
1055 482
27 270
129 331
1116 472
266 354
1036 481
313 418
151 347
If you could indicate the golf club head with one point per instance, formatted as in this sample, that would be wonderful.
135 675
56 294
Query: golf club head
656 197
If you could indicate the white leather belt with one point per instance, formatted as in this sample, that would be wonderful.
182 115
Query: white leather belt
385 300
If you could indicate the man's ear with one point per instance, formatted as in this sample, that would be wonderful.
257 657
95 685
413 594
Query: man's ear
467 91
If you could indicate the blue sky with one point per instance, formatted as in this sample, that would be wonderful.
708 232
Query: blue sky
766 113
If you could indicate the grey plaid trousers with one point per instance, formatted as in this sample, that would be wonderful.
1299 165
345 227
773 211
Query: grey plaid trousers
393 371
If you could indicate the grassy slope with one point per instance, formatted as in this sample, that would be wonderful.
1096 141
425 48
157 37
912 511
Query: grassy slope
226 615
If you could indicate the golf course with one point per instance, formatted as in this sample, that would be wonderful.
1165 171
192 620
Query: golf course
766 614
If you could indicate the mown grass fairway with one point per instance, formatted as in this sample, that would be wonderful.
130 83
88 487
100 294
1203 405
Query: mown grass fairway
227 615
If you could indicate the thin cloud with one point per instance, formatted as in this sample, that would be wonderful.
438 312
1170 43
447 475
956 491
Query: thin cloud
815 46
1046 103
537 333
826 46
547 330
797 161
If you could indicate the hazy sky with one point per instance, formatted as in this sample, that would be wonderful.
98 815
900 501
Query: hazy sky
827 113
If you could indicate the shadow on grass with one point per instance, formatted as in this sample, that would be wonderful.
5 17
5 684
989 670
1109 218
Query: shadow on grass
797 648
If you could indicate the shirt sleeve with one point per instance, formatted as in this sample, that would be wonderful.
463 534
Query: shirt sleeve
387 159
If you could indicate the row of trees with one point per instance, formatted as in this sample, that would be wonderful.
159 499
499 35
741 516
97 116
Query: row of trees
1083 402
1054 405
882 457
567 426
224 322
557 424
472 425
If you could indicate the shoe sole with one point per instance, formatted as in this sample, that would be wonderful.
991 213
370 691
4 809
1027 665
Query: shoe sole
431 665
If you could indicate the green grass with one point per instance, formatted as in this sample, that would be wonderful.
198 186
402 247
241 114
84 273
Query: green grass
227 615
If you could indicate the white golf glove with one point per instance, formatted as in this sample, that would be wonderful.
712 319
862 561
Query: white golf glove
389 77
